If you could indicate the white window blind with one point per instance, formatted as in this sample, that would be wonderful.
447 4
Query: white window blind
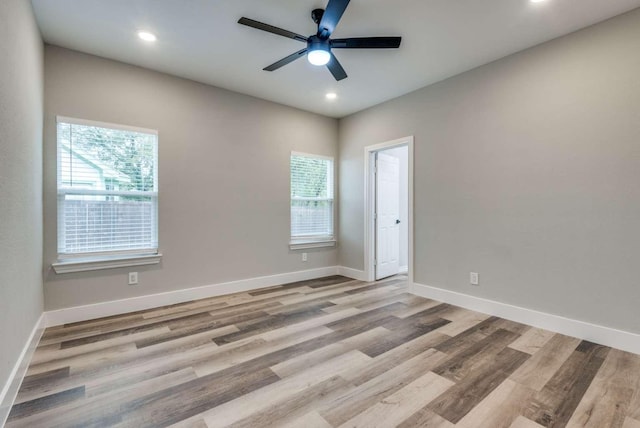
107 189
311 198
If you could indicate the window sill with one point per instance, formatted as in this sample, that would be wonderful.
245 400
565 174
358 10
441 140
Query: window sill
303 245
82 265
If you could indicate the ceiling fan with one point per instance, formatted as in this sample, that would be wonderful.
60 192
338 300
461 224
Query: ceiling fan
319 45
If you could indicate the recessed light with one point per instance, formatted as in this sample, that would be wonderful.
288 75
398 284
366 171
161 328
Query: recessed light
146 36
537 1
331 95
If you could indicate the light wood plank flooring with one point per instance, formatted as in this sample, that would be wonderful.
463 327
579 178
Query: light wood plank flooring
331 352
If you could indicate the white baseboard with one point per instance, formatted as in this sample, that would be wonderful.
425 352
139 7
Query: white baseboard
403 269
619 339
116 307
352 273
10 389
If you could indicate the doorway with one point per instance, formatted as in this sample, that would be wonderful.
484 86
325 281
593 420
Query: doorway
388 213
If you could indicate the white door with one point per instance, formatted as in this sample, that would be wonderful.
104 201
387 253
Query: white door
387 215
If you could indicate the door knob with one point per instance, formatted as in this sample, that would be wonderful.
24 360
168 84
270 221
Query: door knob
397 221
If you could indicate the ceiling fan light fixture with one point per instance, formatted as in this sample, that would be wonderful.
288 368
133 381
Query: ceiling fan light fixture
319 57
318 51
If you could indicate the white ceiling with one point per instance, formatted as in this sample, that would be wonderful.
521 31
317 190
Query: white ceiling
201 40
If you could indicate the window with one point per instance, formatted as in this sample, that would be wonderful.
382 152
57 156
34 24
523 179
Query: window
311 201
107 190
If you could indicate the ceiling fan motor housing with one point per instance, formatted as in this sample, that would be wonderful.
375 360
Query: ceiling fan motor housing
316 43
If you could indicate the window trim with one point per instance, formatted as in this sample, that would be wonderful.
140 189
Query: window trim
308 244
80 262
105 262
315 241
98 124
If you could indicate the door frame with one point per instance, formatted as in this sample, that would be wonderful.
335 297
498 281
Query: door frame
370 204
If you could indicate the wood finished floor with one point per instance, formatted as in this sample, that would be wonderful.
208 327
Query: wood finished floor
323 353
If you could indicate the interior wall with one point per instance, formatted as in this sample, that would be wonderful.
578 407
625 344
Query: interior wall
526 171
402 154
223 176
21 92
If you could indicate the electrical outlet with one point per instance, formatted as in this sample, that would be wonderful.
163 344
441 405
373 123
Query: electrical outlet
474 278
133 278
304 257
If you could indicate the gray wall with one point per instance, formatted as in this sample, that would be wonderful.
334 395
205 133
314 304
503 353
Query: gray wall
223 176
21 90
527 170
